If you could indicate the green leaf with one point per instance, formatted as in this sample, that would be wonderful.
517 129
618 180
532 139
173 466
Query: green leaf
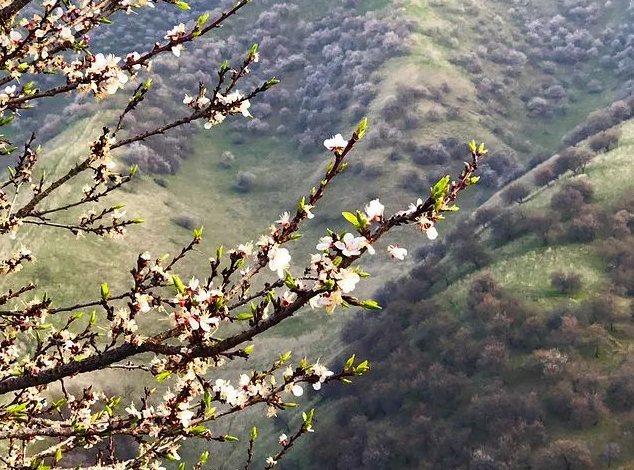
178 284
202 19
350 217
162 376
198 233
270 83
57 405
371 305
249 349
105 292
362 368
183 5
203 458
254 433
288 280
349 362
244 316
363 221
198 430
440 189
361 128
17 410
230 438
285 357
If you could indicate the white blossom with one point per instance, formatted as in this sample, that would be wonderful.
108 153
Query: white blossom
427 226
374 210
322 373
279 260
352 246
336 143
396 252
325 243
297 390
347 280
285 219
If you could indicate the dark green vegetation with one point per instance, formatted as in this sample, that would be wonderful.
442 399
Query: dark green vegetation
519 359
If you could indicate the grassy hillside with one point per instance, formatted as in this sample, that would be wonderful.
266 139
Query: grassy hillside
441 334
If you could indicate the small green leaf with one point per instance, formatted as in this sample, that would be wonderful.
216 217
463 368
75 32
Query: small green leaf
202 19
271 83
370 305
288 280
162 376
350 217
203 458
178 284
362 368
105 292
285 357
361 128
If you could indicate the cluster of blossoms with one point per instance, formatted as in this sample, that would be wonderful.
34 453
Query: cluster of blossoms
8 93
104 75
335 280
43 42
15 262
173 35
199 102
248 388
199 309
233 103
424 224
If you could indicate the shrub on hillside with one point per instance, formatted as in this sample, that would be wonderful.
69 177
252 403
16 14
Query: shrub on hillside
566 283
515 192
